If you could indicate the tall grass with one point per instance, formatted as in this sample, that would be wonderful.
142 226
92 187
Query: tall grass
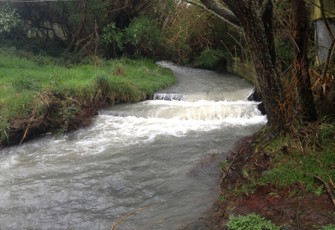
30 89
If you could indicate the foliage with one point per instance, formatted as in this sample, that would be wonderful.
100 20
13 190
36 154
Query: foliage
151 28
283 35
210 58
144 34
113 35
9 19
250 222
141 37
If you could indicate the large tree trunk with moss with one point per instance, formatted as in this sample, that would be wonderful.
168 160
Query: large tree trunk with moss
301 70
255 18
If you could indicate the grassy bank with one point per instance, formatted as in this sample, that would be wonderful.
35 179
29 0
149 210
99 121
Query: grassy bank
38 95
287 179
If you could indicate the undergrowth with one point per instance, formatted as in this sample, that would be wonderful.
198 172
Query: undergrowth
298 164
210 59
250 222
33 93
305 159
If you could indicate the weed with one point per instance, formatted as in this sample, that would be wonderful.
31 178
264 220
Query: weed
319 190
250 222
222 199
224 165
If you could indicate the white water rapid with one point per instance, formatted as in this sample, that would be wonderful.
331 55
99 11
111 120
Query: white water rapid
152 163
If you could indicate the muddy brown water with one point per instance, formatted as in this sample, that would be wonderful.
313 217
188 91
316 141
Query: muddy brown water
146 162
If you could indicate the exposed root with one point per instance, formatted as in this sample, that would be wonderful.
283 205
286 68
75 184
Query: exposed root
328 188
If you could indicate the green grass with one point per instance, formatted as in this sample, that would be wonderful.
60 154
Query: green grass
296 161
29 88
307 159
303 168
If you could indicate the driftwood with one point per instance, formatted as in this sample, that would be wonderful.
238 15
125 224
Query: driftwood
131 213
25 134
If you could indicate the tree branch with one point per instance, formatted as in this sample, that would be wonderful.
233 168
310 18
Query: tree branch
218 10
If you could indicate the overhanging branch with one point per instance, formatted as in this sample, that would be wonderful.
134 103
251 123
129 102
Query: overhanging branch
218 10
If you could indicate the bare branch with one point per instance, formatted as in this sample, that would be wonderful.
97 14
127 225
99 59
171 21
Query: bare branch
218 10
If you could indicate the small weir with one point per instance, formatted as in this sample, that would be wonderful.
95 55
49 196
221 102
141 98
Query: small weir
168 96
153 165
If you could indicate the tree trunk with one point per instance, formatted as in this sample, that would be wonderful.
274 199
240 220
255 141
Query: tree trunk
76 36
256 19
301 72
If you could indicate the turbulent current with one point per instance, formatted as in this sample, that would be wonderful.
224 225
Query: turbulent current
149 165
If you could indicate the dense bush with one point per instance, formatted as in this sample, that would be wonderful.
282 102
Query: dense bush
141 37
9 19
114 37
211 59
144 35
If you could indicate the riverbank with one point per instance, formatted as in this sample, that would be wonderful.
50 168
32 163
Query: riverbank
288 180
38 95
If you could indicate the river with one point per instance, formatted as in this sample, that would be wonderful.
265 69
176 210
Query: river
149 165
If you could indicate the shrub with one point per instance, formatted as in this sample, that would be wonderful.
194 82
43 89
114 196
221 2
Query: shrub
9 19
144 35
113 35
210 58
